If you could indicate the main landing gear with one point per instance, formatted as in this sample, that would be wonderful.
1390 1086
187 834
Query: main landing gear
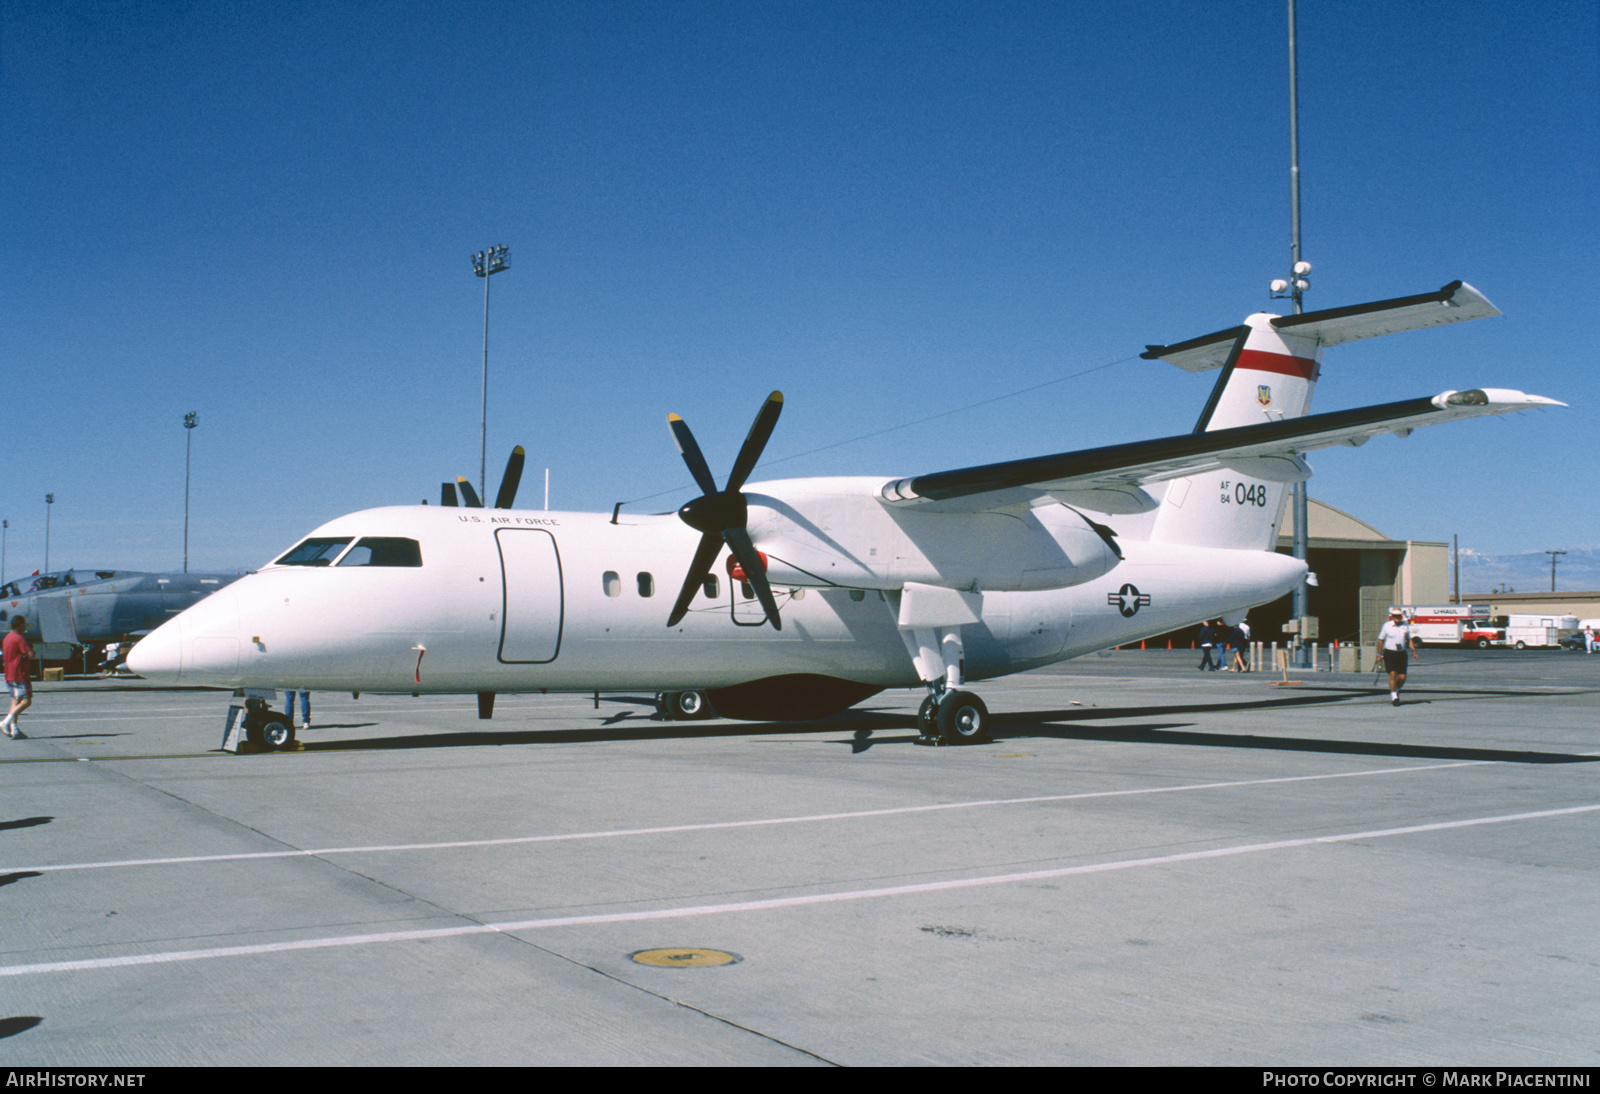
683 706
951 716
930 621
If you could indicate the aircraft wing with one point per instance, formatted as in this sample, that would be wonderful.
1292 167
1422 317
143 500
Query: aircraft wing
1114 474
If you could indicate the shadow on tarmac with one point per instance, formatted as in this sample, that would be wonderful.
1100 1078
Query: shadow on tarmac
1009 727
10 1027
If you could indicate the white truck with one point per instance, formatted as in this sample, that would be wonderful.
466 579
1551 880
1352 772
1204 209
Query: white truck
1441 624
1530 632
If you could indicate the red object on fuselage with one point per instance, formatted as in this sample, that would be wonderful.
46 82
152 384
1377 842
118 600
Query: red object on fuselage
736 571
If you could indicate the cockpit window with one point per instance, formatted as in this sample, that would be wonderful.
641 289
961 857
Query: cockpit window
383 551
317 551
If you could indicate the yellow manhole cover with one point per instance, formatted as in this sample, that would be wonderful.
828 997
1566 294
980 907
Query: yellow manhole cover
685 957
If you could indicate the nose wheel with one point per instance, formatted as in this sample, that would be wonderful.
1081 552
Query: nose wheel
265 730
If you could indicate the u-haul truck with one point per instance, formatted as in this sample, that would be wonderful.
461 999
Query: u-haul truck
1441 624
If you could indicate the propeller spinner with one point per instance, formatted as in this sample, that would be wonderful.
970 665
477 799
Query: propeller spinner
508 486
720 515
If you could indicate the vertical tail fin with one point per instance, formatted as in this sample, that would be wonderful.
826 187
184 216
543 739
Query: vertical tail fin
1268 375
1269 372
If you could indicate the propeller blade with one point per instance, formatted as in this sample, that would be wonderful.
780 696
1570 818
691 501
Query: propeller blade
756 440
704 555
511 479
447 494
691 454
754 572
469 496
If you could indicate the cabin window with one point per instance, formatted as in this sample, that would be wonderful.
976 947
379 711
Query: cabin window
383 551
712 587
611 582
647 585
317 551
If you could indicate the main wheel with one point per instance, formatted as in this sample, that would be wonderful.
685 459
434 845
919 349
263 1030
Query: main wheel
683 706
963 719
927 718
691 705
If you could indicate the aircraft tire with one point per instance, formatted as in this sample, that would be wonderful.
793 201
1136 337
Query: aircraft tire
927 718
683 706
691 706
277 733
963 719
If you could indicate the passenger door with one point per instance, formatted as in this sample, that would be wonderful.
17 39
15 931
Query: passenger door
532 604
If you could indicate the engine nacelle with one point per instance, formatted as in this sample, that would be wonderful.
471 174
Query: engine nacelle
847 537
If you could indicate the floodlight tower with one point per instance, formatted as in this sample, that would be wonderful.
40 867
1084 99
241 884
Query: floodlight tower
190 420
486 264
5 528
1292 289
49 500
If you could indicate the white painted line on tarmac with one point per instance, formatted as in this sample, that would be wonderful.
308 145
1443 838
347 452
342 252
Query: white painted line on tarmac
614 833
763 905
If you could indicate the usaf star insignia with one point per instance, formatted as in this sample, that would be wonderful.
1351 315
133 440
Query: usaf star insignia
1128 600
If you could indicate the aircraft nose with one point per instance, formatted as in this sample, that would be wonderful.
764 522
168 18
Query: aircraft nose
158 655
201 646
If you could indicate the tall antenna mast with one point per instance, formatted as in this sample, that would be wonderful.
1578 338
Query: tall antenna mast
1293 288
1296 284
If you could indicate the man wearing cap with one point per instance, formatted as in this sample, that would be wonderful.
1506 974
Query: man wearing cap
1394 637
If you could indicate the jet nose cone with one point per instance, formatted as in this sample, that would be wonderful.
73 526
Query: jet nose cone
201 646
159 655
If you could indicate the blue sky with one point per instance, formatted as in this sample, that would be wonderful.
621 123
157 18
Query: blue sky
264 212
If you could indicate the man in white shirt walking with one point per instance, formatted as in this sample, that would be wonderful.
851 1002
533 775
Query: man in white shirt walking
1395 637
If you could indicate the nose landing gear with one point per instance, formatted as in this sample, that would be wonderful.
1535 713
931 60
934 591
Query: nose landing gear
265 730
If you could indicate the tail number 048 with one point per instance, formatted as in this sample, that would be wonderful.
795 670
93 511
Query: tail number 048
1246 494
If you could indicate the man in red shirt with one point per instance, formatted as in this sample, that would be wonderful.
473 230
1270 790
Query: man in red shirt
17 654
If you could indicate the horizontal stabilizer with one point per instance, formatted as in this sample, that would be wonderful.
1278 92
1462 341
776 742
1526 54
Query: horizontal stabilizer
1455 303
1120 466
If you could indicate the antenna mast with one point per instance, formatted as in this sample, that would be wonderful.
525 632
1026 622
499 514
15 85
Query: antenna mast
1293 288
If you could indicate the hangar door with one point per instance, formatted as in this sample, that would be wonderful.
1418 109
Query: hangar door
530 569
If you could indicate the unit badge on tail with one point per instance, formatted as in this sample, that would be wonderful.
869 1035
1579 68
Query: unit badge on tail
1264 394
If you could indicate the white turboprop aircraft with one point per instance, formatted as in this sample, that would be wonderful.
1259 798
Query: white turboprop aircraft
838 587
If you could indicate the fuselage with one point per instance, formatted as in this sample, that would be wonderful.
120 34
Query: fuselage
438 599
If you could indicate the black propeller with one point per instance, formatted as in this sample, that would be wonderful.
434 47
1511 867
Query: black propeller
720 515
508 486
